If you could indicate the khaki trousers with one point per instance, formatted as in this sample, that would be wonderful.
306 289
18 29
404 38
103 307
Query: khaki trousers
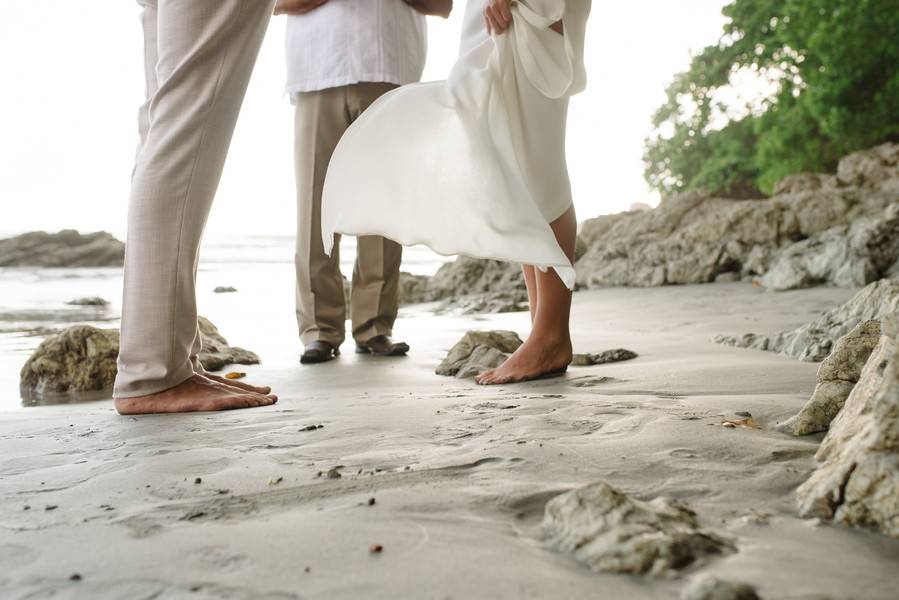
321 119
199 55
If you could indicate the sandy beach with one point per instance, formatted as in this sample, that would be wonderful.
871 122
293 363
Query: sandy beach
249 504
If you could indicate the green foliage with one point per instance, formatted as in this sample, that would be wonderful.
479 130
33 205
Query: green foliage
831 68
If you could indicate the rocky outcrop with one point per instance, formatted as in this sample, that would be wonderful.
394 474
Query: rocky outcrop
814 341
600 358
606 530
838 229
707 587
478 351
67 248
90 301
216 352
82 358
469 286
857 482
837 375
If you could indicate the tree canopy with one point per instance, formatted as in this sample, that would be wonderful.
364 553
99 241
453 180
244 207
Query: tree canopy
825 74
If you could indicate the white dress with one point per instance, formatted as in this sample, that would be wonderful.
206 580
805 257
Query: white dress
473 165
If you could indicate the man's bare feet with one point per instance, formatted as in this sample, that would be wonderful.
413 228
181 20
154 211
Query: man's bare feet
195 394
537 357
257 389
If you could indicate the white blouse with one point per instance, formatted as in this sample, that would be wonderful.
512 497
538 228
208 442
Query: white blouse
351 41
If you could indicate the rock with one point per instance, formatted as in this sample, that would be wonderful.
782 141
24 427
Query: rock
837 375
224 289
606 530
817 229
478 351
707 587
489 302
813 341
599 358
91 301
68 248
82 358
472 286
414 288
857 481
216 352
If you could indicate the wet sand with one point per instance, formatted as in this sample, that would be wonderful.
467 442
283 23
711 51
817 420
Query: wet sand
241 504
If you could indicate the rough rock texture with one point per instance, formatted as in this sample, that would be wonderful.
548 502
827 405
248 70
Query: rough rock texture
78 359
813 342
469 286
413 288
707 587
816 229
91 301
608 531
68 248
82 358
857 482
599 358
217 353
837 375
478 351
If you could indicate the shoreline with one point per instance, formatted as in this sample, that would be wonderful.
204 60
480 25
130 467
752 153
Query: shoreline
481 462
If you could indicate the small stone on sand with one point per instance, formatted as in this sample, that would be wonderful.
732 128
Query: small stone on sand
275 480
198 480
376 548
334 473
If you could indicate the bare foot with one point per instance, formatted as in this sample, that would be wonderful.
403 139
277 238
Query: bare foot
537 357
196 394
257 389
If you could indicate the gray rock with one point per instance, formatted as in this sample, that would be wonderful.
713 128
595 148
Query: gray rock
91 301
82 358
486 303
817 229
478 351
68 248
414 288
606 530
857 481
813 341
837 375
216 352
707 587
599 358
224 289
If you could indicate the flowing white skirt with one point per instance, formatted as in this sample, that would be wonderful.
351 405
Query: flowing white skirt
474 165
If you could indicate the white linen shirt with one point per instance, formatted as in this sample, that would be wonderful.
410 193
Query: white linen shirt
351 41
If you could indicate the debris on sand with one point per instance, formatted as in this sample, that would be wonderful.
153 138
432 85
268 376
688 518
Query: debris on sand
599 358
607 530
235 375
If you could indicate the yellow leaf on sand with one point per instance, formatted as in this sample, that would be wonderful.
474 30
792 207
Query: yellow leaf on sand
235 375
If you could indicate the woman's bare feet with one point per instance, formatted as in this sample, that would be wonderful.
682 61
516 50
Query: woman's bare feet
257 389
536 358
195 394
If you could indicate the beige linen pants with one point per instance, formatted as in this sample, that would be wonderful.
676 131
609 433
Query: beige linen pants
199 55
321 119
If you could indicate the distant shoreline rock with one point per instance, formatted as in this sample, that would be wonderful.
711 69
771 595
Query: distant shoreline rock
817 229
68 248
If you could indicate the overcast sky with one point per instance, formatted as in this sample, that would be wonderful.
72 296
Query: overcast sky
72 80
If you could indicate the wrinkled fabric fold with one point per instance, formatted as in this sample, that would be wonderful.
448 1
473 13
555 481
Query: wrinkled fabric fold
474 165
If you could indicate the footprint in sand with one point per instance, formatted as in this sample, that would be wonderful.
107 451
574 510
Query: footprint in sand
217 557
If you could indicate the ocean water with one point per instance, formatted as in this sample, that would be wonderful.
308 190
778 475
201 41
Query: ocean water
259 316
